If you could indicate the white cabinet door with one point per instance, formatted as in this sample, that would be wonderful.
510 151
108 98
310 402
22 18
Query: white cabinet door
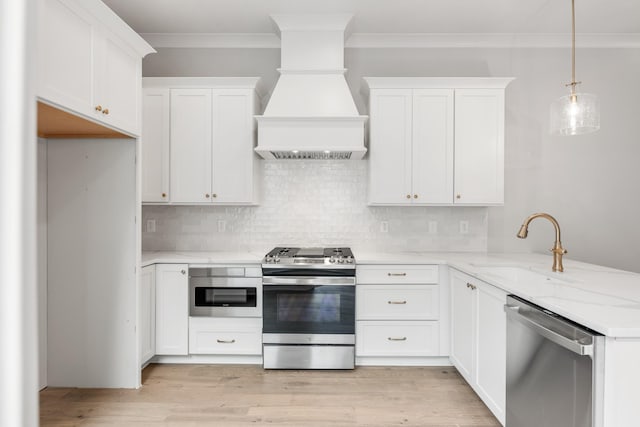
117 84
432 160
147 330
65 56
390 147
191 145
172 309
479 150
233 156
155 145
462 324
490 364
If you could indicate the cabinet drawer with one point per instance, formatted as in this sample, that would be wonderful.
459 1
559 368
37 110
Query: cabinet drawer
225 335
383 274
397 302
400 338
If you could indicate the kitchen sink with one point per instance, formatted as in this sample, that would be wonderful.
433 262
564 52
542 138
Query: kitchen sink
513 274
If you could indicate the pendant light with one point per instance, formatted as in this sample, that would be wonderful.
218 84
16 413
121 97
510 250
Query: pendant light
576 113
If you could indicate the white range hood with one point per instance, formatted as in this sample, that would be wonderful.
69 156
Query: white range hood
311 113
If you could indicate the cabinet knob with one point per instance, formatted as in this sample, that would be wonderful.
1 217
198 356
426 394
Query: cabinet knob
470 286
408 196
98 107
457 196
183 272
215 195
105 111
164 195
206 195
415 196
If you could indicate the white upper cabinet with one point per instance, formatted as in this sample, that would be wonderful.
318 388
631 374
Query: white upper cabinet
155 144
190 145
436 141
206 125
479 154
90 62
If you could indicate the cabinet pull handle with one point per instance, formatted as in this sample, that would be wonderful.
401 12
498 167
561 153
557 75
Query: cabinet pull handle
183 272
396 274
215 195
408 196
397 339
98 107
396 302
164 195
415 196
105 111
206 195
458 196
470 286
226 341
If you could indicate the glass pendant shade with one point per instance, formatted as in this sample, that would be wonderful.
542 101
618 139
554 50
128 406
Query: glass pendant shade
575 114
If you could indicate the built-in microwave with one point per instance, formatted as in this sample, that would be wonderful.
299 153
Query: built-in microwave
225 291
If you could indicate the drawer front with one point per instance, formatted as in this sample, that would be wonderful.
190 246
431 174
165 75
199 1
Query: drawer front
225 336
400 338
398 274
397 302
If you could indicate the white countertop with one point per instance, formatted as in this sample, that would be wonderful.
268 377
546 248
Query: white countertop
601 298
190 257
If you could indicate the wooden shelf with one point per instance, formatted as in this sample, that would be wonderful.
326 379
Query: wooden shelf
55 123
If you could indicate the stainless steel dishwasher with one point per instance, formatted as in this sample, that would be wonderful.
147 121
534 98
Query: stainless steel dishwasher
554 369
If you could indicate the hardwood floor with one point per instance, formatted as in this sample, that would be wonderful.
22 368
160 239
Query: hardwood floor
235 395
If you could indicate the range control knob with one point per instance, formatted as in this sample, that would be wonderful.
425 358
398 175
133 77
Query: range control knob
350 259
276 259
332 259
341 259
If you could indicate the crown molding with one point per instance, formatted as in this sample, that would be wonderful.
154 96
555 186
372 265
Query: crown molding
396 40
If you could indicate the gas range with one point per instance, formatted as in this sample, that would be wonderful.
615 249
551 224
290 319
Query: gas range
310 257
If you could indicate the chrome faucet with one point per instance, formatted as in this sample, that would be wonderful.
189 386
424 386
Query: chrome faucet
557 249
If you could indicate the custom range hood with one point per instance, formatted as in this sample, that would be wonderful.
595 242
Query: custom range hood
311 114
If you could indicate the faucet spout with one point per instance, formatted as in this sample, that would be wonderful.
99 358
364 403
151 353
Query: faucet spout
557 249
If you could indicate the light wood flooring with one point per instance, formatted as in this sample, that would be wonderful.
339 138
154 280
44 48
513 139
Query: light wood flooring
236 395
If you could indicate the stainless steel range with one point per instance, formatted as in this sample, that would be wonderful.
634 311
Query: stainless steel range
309 308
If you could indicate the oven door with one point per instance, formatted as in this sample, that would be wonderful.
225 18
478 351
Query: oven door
308 306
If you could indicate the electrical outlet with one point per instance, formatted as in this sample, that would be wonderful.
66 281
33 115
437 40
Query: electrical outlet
384 226
222 226
151 226
433 227
464 227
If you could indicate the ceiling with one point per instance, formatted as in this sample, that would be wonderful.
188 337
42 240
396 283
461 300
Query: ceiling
386 16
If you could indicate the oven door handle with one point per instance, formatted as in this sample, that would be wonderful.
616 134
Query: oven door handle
310 281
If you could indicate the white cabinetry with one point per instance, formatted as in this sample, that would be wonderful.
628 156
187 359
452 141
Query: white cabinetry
147 329
155 144
211 137
172 309
436 141
225 336
90 62
478 338
398 312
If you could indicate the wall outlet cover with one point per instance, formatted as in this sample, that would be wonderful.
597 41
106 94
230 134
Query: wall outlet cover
464 227
384 226
151 226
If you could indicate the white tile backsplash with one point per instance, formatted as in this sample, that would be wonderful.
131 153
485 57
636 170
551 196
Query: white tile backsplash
314 203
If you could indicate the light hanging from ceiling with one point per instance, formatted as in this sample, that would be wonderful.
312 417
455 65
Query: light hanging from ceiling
576 113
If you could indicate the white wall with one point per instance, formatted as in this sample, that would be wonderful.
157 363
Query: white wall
586 182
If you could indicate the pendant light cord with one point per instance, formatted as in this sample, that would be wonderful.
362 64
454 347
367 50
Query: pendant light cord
573 83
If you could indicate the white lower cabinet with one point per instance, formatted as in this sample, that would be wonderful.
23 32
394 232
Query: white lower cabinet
397 338
172 309
147 333
220 335
478 338
398 311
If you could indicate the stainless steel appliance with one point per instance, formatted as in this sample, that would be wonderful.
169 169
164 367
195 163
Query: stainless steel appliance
233 291
554 369
309 308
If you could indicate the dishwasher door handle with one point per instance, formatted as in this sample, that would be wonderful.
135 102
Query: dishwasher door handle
569 343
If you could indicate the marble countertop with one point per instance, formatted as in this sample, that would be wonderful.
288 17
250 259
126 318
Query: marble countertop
601 298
